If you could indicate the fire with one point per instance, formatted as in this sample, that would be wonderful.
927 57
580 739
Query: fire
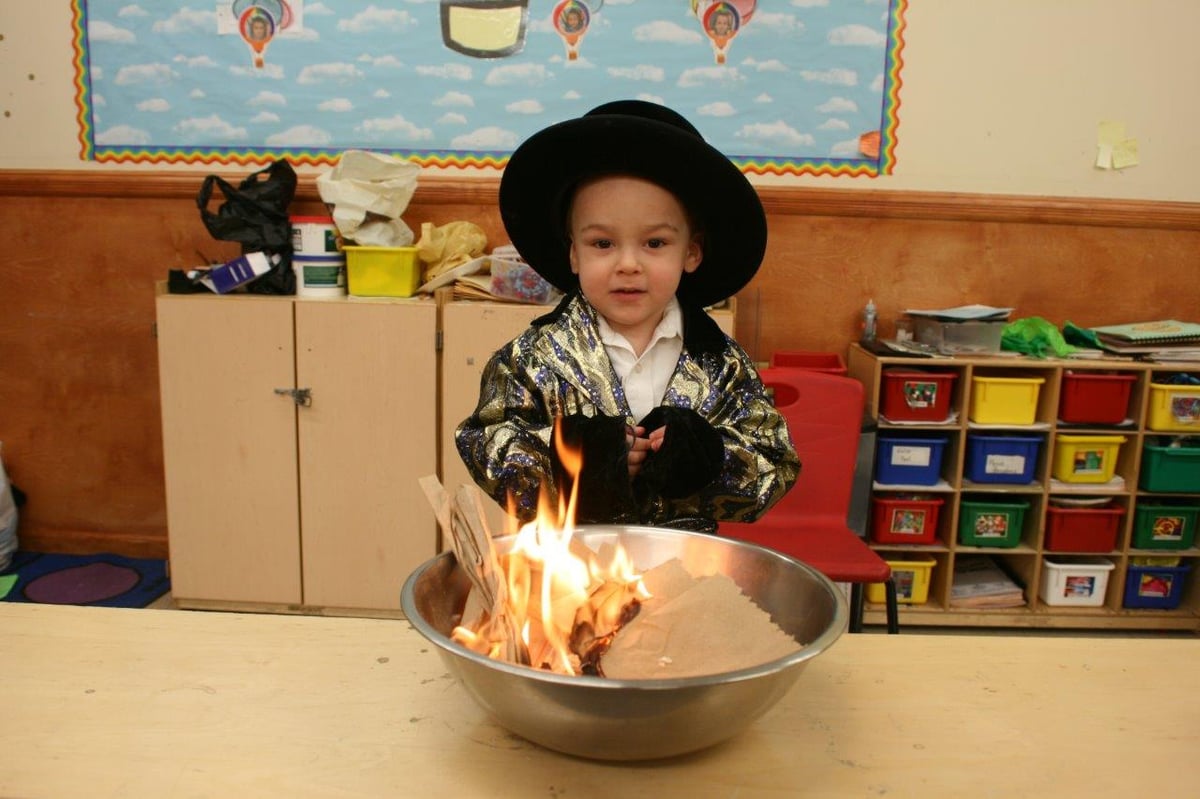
563 601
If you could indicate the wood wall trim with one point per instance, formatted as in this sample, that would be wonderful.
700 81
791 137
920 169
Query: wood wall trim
778 200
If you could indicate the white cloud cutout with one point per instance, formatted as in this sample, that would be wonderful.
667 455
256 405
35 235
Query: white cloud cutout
101 31
375 19
486 138
317 10
300 136
770 65
517 75
336 72
122 134
395 127
666 32
265 118
845 149
856 35
145 73
197 94
452 71
647 72
154 105
835 77
454 99
810 3
195 61
381 93
834 124
838 105
525 107
187 20
717 109
211 126
132 11
267 98
776 133
779 24
268 71
877 83
452 118
764 98
336 105
701 77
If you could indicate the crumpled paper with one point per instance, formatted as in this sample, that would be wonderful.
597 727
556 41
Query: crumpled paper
444 247
368 192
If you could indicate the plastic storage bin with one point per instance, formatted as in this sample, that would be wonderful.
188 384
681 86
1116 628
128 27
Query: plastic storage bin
1164 526
1174 407
991 524
905 519
954 338
829 362
382 271
909 460
1080 581
1083 529
1153 586
912 577
1004 400
913 395
1001 458
1095 397
1168 468
1086 459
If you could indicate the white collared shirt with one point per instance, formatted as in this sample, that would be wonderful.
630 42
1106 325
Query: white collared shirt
645 379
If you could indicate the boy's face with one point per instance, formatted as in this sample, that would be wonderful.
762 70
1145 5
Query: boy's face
630 245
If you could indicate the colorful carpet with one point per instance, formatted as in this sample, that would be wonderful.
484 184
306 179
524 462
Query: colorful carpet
111 581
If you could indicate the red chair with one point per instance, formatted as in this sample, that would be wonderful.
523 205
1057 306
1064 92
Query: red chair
824 415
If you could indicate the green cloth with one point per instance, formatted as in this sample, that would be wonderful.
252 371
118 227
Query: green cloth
1035 336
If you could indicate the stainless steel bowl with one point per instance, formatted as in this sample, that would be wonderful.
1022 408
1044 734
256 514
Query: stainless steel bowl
608 719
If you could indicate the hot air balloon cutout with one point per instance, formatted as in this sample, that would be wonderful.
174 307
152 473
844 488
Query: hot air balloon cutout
722 21
259 21
571 19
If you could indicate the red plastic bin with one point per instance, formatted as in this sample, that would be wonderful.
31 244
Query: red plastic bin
828 362
1084 529
915 395
1095 397
905 520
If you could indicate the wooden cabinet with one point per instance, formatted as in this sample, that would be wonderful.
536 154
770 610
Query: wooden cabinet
294 434
1026 557
470 332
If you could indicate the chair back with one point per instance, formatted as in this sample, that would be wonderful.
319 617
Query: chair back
824 415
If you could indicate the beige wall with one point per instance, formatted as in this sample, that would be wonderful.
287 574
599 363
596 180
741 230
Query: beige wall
998 97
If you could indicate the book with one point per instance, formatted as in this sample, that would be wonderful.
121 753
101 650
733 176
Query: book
979 582
1164 330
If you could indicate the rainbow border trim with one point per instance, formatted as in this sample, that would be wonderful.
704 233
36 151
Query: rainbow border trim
884 164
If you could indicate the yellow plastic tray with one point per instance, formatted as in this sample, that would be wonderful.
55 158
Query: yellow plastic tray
1086 459
382 271
1004 400
1174 407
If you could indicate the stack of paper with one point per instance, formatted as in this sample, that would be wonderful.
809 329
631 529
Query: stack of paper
1165 339
980 583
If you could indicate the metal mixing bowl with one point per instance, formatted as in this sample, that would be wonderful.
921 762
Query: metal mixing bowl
608 719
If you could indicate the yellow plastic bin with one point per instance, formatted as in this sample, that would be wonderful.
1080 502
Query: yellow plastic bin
1086 459
1174 407
912 577
1004 400
382 271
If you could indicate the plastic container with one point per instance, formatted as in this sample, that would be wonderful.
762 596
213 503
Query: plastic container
1164 526
1159 587
382 271
314 235
991 524
909 460
905 520
1086 459
912 577
1001 458
1082 582
1174 407
913 395
955 338
1083 529
1095 397
829 362
1004 400
320 275
1168 468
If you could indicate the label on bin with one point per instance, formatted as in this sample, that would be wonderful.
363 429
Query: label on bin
1167 529
1157 586
920 393
911 456
1078 586
1088 461
908 521
1185 408
1004 464
991 525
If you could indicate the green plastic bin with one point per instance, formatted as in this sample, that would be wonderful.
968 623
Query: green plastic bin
1170 469
1164 526
991 524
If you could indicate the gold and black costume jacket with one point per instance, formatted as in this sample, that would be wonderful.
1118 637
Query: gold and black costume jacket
727 455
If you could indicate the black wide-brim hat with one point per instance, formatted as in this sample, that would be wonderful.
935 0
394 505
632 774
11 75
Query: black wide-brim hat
632 137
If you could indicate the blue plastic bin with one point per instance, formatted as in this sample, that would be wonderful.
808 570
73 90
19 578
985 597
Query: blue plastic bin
1155 586
910 460
1001 458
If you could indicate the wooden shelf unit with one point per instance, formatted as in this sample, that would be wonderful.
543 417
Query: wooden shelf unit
1026 560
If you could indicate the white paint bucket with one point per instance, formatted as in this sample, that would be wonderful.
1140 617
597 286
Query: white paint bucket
314 235
320 275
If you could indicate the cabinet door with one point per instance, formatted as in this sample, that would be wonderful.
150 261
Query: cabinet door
229 447
471 332
365 441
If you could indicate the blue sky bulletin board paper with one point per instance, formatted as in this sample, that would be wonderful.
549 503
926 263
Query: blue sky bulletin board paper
800 87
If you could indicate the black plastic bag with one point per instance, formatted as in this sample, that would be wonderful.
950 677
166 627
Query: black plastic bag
255 214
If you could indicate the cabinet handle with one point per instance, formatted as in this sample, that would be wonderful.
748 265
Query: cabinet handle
300 396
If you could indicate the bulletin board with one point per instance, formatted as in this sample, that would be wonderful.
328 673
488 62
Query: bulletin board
782 88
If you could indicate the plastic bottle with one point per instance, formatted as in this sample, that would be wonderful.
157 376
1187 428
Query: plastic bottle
869 318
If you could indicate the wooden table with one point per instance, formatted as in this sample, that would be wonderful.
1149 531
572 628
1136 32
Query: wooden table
160 703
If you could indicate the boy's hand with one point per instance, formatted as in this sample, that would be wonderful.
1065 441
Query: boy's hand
641 445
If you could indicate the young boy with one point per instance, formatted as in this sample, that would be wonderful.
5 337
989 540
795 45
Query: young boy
641 224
